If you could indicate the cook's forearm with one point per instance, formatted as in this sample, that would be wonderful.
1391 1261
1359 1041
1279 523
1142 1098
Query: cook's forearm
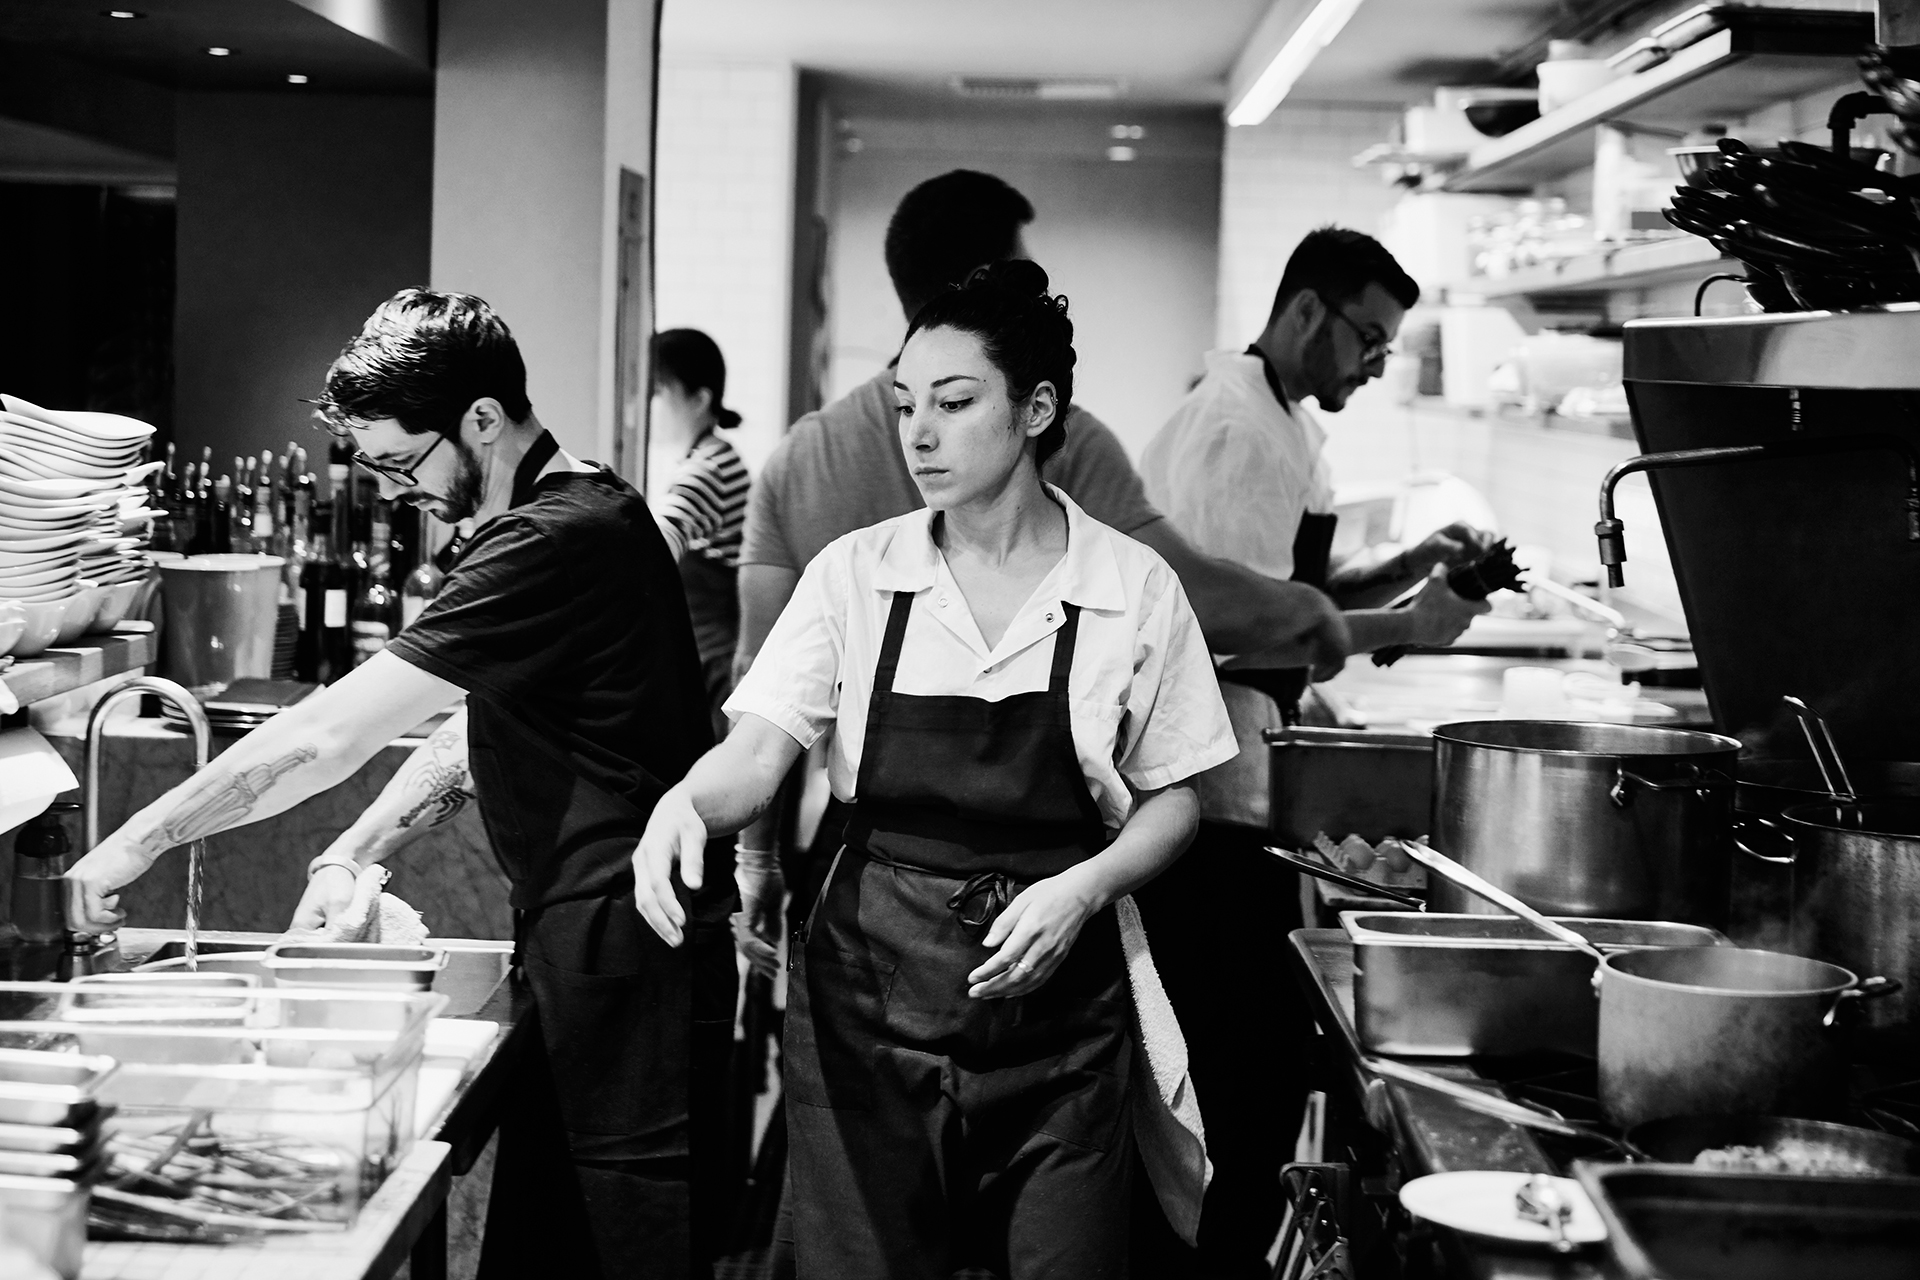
1378 628
1159 831
1239 611
272 769
430 789
736 782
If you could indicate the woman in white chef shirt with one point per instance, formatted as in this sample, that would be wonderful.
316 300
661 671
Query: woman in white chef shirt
1017 696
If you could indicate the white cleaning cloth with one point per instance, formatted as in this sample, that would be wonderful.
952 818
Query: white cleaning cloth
373 916
1166 1116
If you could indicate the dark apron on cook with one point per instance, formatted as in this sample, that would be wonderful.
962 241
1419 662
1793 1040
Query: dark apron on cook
1312 556
605 1128
932 1130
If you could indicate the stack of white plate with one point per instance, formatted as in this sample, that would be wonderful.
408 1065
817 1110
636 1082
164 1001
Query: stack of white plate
73 519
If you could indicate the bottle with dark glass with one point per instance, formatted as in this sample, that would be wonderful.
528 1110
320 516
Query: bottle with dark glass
376 610
325 651
266 536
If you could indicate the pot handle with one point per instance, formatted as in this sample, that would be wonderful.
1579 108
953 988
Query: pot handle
1701 785
1743 824
1865 989
1322 872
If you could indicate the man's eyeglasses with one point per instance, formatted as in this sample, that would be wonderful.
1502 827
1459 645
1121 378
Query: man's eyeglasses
397 474
1373 345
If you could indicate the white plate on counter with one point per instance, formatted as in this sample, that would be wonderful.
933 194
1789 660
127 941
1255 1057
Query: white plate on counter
1481 1202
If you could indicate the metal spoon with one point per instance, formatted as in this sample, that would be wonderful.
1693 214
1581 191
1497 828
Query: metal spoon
1441 864
1539 1200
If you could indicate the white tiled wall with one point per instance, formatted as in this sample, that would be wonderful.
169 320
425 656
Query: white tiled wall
1280 180
723 217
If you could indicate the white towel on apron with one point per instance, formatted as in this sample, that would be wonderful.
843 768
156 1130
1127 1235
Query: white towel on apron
1166 1117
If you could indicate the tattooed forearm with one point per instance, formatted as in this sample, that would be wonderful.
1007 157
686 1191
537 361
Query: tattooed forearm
225 798
442 783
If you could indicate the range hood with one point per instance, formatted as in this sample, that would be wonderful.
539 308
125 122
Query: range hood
1798 572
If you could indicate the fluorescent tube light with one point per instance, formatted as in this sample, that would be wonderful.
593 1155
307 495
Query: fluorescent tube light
1315 32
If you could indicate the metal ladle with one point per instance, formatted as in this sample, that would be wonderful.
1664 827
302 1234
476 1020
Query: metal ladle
1442 865
1811 720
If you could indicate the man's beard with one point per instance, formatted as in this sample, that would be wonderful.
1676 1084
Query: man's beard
1325 382
463 495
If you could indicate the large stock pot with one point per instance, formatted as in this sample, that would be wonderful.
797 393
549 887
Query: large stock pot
1624 821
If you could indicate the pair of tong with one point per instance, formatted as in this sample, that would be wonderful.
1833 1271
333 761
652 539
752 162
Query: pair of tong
1826 757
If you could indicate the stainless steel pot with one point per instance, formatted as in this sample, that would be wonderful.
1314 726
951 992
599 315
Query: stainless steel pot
1625 821
1716 1031
1856 898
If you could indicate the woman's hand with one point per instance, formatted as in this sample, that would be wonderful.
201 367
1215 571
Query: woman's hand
756 925
94 884
1034 934
675 835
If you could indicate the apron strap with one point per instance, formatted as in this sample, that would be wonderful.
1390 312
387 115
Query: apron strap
889 662
1063 642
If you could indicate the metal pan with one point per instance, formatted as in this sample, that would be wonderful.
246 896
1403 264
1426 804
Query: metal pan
1678 1139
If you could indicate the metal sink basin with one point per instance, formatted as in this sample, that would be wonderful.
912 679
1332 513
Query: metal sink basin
475 966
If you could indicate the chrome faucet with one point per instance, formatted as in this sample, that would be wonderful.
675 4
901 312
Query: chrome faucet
189 706
1613 534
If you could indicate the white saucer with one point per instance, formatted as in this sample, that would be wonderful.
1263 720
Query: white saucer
100 426
1481 1202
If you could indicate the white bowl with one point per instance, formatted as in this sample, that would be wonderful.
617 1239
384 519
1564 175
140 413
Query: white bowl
99 426
114 601
82 606
43 626
13 625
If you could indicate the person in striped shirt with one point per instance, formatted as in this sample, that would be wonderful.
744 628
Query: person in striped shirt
704 505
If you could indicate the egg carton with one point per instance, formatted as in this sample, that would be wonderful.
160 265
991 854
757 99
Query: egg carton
1387 863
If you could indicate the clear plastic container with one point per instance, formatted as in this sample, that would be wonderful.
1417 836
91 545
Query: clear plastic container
284 1121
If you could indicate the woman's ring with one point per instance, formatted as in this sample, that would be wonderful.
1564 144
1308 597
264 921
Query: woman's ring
1019 964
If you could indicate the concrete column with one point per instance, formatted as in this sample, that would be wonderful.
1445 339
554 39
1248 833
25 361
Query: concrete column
538 110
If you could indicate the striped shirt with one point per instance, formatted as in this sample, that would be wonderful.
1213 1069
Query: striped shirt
705 505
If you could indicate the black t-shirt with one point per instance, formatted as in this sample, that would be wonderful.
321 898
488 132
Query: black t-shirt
565 622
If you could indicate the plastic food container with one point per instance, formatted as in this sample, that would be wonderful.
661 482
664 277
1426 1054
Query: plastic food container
309 1095
359 965
59 1089
110 1002
48 1218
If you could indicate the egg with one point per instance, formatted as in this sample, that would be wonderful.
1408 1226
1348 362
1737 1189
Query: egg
1356 853
1398 859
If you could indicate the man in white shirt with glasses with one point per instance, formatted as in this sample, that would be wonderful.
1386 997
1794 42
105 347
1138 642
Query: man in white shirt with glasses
1238 471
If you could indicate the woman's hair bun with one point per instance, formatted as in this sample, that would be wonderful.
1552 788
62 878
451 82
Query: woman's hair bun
1020 277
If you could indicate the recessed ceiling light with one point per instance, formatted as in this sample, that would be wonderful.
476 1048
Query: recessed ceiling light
296 78
1120 154
218 51
120 13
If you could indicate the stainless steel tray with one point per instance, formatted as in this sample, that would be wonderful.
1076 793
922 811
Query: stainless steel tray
1455 986
1372 783
354 965
1679 1221
50 1088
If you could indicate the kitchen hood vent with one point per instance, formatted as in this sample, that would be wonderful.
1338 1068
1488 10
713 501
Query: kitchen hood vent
1034 89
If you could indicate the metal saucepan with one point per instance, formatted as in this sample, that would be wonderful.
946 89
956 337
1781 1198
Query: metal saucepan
1678 1139
1856 897
1626 821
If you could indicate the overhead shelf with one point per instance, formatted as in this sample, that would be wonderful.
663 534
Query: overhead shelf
59 671
1623 267
1729 74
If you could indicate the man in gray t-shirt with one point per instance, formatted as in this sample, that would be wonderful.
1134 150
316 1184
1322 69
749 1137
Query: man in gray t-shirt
841 467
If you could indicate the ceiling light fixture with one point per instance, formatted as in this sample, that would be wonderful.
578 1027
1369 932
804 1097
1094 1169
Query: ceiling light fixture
296 78
121 13
218 51
1315 32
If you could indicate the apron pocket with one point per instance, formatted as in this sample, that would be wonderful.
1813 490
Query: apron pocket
836 1011
618 1047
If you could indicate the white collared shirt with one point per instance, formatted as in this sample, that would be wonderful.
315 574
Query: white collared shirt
1146 708
1234 470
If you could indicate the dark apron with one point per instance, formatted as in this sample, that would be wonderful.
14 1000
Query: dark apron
597 1172
1312 556
932 1130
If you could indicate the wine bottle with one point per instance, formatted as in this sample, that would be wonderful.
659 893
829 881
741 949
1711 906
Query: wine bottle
325 651
423 583
265 533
